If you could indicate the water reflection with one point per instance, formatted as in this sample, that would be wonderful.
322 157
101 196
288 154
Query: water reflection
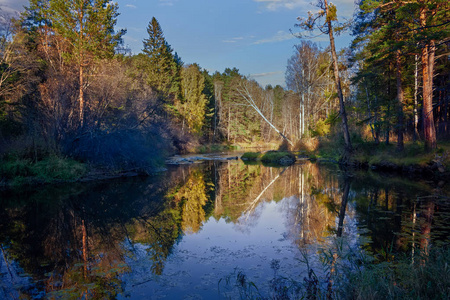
179 234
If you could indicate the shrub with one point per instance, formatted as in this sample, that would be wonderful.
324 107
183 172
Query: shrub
322 128
122 149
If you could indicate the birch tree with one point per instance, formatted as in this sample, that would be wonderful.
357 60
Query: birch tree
244 91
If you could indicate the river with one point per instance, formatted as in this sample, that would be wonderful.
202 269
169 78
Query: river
209 230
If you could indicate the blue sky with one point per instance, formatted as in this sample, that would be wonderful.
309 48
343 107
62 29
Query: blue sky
251 35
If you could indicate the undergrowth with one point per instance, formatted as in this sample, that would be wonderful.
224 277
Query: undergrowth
348 273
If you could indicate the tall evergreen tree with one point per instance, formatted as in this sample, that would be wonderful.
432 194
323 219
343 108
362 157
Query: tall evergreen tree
163 66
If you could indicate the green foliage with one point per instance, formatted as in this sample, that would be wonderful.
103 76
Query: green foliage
86 26
16 168
55 168
271 157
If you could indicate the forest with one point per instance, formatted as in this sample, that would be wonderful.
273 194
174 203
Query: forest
70 91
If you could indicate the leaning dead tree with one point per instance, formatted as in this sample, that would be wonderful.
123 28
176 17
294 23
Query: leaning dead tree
244 91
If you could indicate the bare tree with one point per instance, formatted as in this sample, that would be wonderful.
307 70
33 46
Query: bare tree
307 75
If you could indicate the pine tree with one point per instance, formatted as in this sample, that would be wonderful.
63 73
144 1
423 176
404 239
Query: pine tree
163 66
397 28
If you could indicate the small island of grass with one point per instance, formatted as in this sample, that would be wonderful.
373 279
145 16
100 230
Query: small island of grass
283 158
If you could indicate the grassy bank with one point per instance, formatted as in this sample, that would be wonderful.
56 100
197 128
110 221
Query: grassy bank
413 159
208 148
414 154
21 171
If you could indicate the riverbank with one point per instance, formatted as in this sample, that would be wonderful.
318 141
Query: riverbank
413 161
16 172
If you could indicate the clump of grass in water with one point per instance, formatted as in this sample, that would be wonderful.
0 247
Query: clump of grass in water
269 156
251 156
276 156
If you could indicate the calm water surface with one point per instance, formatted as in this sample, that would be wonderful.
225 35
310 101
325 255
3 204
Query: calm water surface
192 231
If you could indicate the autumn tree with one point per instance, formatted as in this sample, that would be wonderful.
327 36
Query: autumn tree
87 28
192 107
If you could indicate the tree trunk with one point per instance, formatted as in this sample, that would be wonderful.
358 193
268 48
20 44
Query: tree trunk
84 248
348 145
388 125
399 102
416 92
81 96
427 77
81 62
446 127
377 123
229 124
344 201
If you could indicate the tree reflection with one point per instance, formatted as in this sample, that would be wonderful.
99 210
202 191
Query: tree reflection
192 196
70 238
78 240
